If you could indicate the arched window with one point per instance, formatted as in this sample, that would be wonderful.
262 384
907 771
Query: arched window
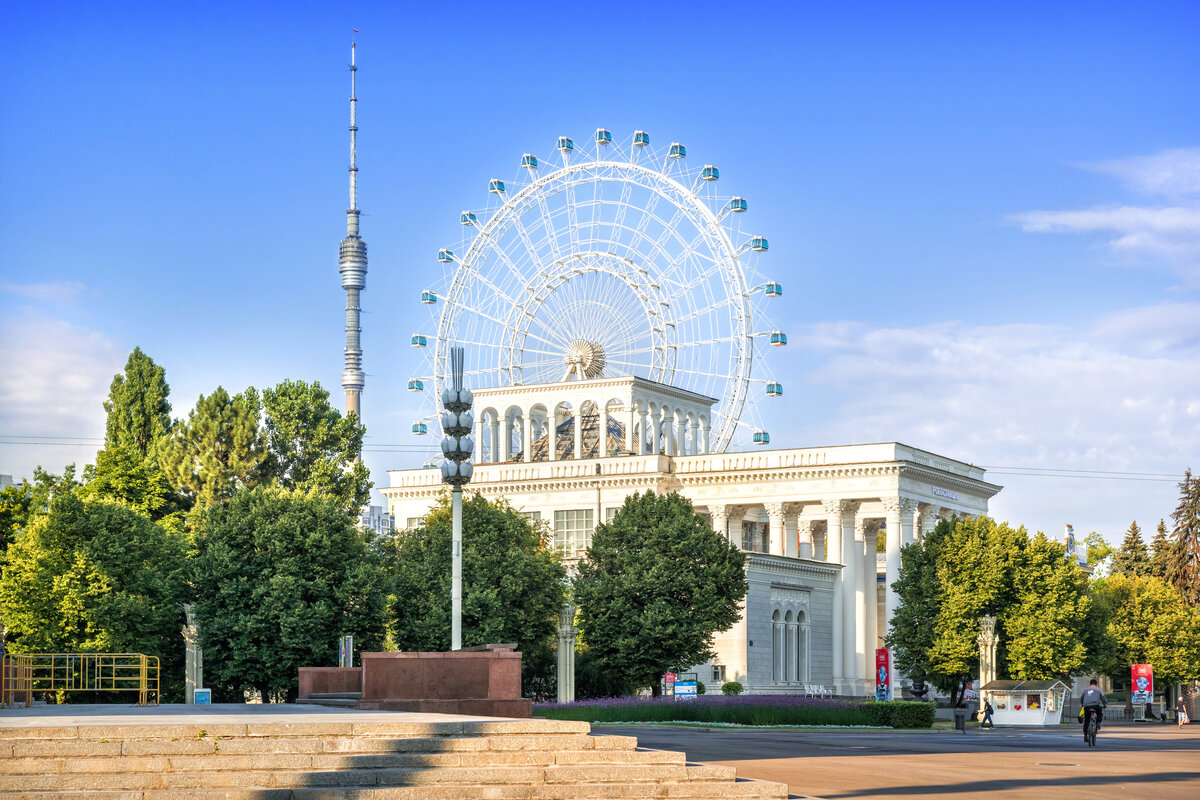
801 634
777 648
790 629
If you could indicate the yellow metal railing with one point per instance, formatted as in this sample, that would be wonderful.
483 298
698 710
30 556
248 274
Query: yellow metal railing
25 673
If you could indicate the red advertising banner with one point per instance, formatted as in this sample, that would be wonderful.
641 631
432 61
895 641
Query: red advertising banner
1142 683
883 674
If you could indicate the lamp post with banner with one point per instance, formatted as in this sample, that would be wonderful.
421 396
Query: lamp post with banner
457 446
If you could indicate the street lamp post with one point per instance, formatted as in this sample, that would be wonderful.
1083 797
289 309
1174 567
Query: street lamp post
457 447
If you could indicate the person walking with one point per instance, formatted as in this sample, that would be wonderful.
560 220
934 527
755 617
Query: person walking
987 715
1181 715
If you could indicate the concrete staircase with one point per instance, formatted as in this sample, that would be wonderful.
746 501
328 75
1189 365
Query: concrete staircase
363 760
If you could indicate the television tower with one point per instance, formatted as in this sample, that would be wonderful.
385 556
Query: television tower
352 264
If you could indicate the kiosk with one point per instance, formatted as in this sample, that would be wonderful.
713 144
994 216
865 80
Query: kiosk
1027 703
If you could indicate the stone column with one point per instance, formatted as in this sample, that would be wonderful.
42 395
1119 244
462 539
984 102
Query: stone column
720 519
804 530
987 641
736 514
930 515
505 439
704 432
494 425
193 658
775 517
871 571
602 444
694 450
552 435
578 444
834 510
790 542
527 436
566 654
629 429
857 557
680 433
820 535
655 429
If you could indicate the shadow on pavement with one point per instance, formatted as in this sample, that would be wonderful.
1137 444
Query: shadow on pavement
1030 784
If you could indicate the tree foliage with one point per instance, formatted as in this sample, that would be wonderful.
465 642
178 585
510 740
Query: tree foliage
1045 639
1164 553
911 636
99 577
967 569
1133 558
1149 623
513 584
311 447
139 414
1097 550
1184 565
122 476
657 583
278 578
218 448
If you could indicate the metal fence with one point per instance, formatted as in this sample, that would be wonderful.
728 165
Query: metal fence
24 674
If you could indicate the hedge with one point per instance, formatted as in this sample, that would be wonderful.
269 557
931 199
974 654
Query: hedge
744 710
900 714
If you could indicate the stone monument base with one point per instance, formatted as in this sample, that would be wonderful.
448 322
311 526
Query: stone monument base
480 681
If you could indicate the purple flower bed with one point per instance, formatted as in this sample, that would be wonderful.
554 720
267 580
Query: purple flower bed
746 709
741 709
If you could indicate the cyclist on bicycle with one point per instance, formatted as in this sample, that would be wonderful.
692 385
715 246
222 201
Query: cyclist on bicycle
1094 702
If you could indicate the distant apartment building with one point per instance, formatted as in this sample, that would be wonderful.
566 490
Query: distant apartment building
376 519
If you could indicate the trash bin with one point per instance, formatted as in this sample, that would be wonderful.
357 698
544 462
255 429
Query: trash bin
960 719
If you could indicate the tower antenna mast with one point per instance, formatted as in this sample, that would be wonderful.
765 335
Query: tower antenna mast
352 264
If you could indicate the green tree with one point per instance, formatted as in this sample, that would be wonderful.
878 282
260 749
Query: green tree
218 449
1045 639
1164 553
16 507
139 415
1151 624
121 475
911 634
1097 550
96 577
1133 558
311 447
278 577
1185 556
975 576
657 583
513 585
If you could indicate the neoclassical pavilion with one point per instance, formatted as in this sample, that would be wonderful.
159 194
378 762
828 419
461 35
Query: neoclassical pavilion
822 526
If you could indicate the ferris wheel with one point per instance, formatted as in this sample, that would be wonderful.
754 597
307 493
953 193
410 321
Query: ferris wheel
622 260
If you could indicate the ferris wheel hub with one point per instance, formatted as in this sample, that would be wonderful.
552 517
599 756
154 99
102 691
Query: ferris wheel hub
585 360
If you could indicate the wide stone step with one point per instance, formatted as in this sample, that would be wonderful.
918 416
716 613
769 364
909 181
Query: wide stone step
328 702
701 791
393 776
175 746
330 761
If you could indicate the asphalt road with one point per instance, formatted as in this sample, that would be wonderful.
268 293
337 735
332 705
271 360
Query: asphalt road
1161 762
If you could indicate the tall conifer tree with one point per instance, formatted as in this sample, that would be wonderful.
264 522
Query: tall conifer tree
1185 556
1160 560
217 449
1133 558
139 414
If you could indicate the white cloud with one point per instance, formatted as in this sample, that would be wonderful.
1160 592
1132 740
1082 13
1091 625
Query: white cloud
53 383
1169 235
1171 173
1118 396
54 291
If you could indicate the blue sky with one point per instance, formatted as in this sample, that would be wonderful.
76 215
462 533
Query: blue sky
987 216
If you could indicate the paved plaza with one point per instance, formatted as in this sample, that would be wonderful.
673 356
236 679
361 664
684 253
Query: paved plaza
1130 761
